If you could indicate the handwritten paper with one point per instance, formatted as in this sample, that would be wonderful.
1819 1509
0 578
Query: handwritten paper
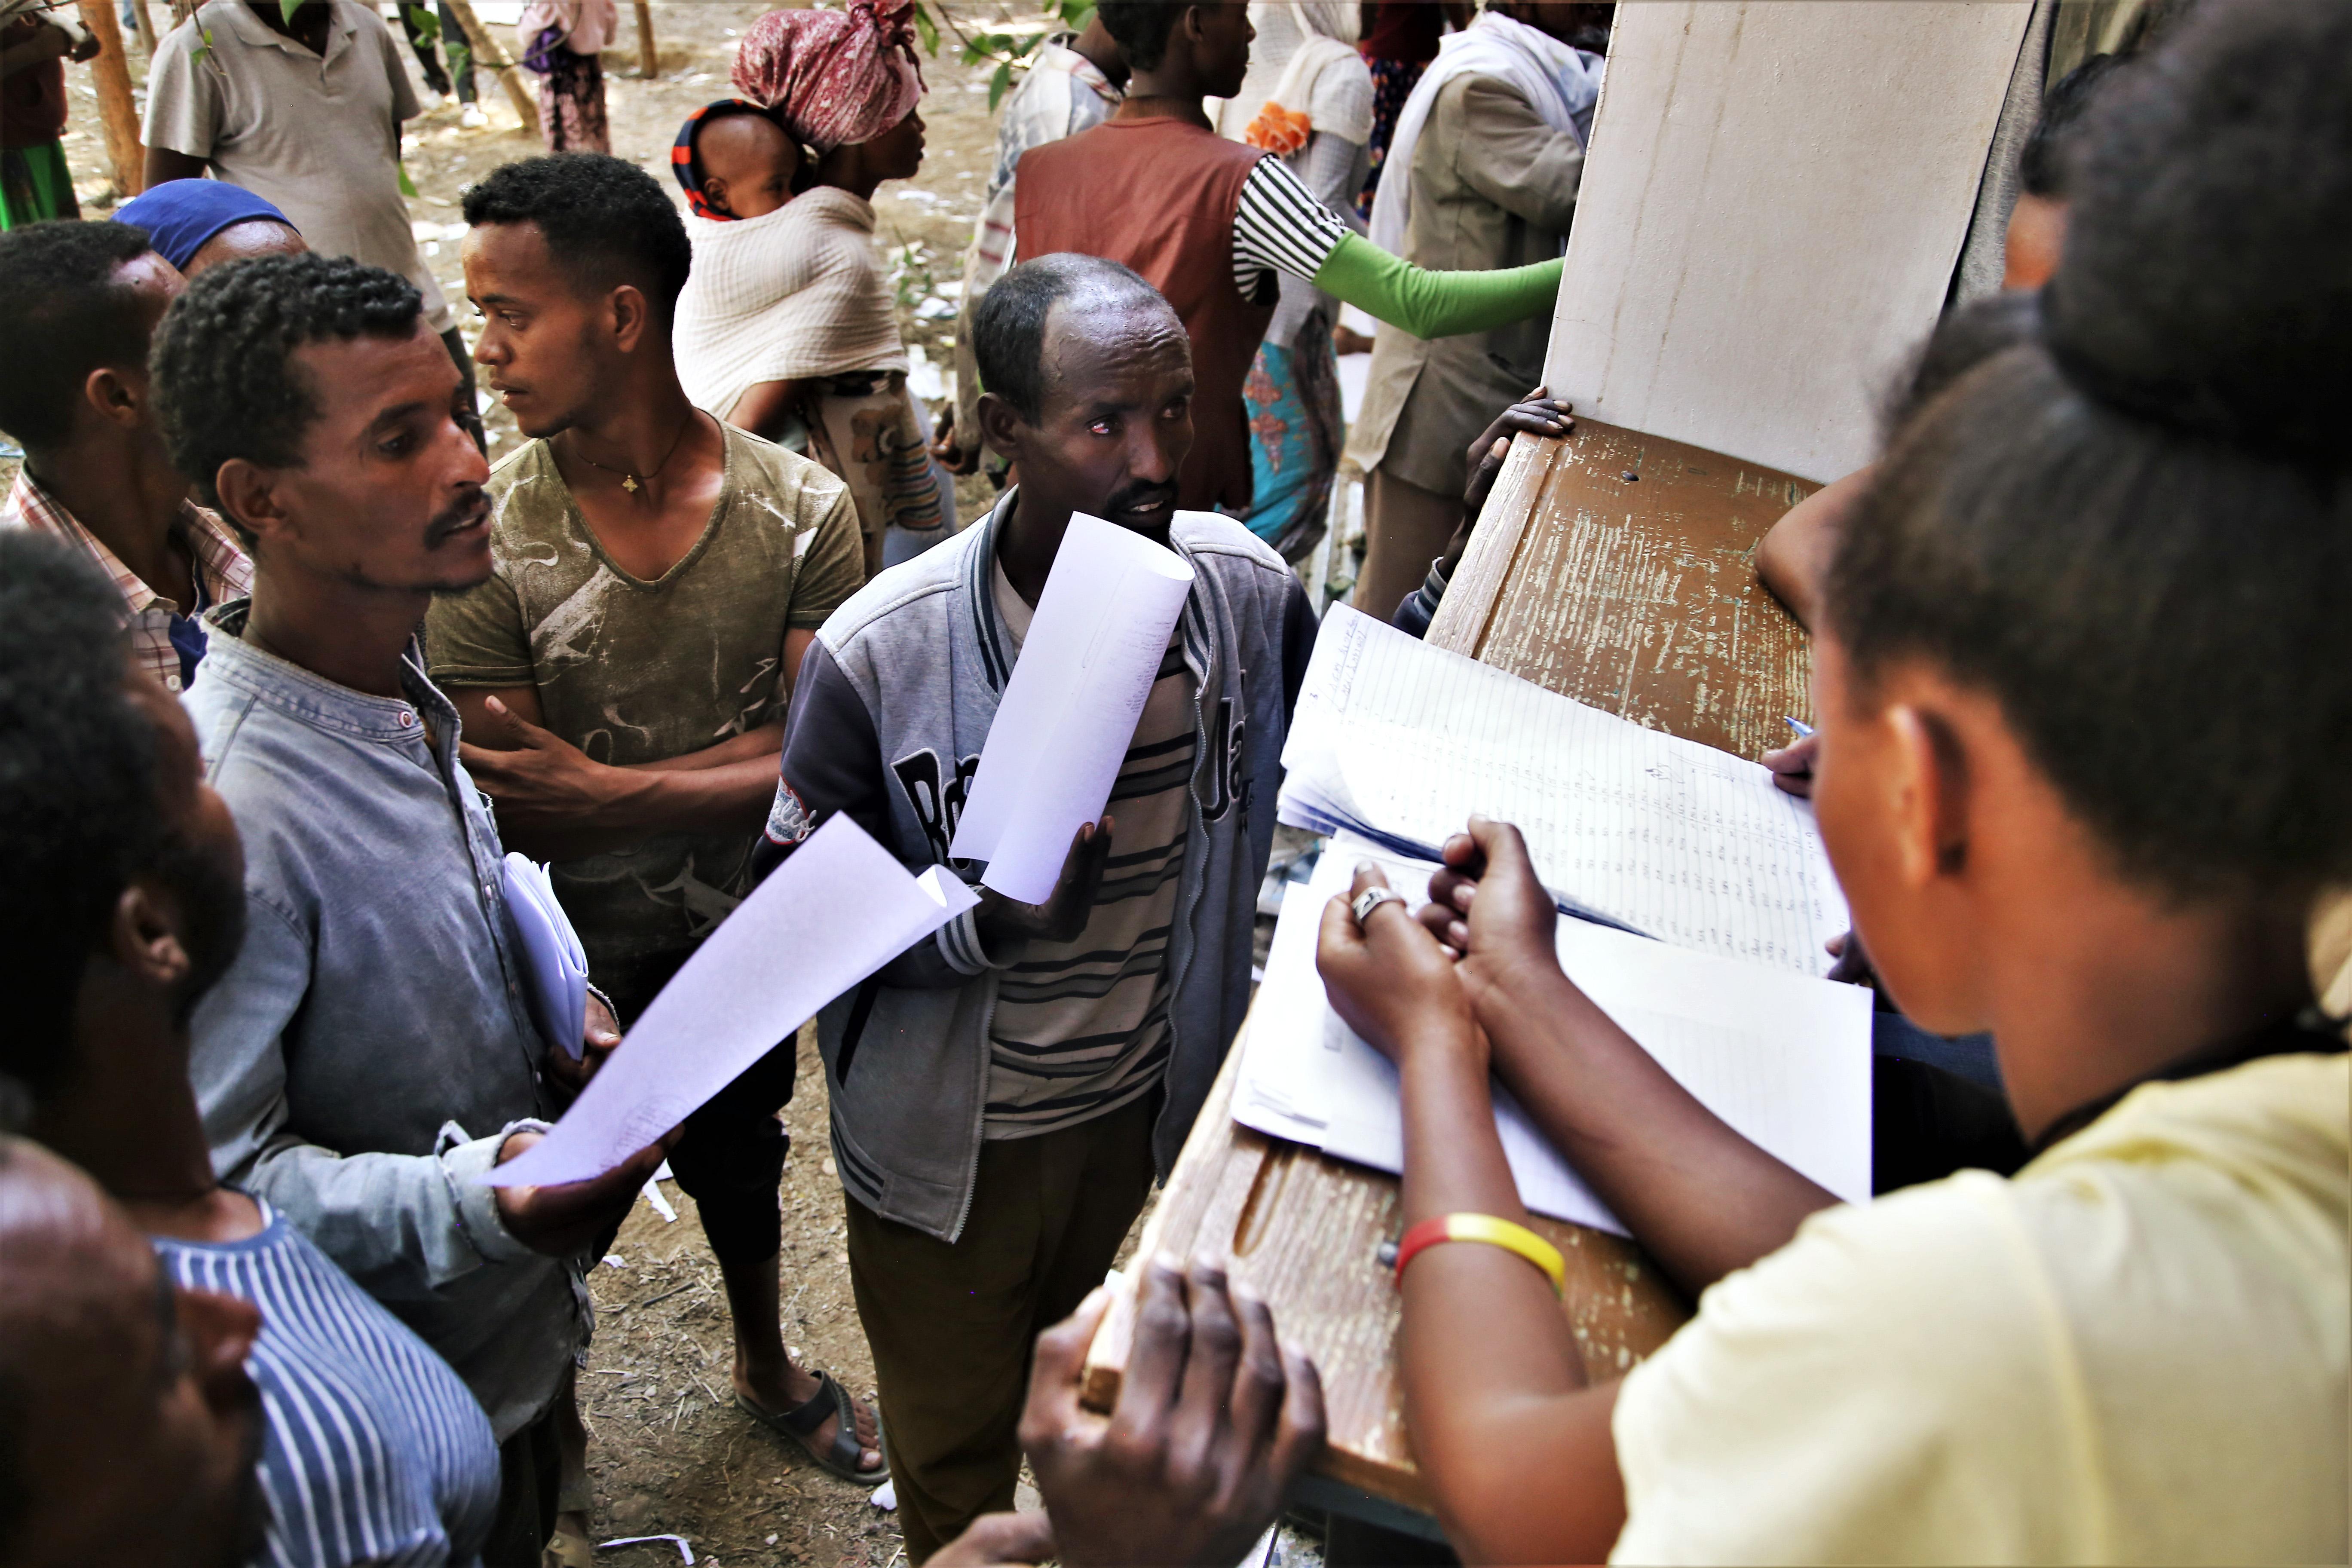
834 913
1070 710
1402 741
1784 1059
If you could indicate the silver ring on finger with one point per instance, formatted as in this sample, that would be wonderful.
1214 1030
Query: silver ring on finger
1371 899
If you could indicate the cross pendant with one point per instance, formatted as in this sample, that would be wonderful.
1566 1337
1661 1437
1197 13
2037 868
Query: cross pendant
629 483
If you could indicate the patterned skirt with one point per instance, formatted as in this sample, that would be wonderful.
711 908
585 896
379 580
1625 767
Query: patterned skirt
865 430
572 103
1295 430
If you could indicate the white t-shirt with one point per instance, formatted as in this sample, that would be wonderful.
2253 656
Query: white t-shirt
317 136
2134 1352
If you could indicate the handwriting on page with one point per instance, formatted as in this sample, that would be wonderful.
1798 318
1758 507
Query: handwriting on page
1685 842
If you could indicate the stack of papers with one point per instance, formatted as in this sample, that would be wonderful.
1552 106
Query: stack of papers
1642 835
839 908
1784 1059
1400 742
1069 712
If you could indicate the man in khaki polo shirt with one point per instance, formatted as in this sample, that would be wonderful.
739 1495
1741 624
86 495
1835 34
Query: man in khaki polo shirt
305 113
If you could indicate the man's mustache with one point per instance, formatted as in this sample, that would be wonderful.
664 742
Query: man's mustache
464 514
1140 497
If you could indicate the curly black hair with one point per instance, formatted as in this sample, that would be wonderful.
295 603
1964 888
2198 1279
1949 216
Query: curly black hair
66 317
78 812
606 221
226 381
2134 526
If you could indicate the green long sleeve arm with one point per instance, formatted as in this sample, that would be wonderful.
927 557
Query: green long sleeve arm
1435 304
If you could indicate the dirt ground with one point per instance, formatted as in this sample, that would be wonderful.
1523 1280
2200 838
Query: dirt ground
669 1452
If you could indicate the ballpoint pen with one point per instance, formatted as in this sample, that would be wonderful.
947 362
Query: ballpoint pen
1804 732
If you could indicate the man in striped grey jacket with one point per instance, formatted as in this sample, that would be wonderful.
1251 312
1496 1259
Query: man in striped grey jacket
1004 1095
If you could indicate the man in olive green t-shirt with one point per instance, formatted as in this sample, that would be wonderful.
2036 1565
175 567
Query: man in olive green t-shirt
624 672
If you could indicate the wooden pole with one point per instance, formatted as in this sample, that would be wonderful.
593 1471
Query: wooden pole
488 52
116 112
146 25
648 58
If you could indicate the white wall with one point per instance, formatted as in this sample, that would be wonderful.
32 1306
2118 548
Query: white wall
1776 195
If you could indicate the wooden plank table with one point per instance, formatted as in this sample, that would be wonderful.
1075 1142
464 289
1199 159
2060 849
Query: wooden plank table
1634 594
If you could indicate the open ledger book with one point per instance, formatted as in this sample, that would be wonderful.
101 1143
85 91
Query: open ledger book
1400 742
1642 835
1784 1059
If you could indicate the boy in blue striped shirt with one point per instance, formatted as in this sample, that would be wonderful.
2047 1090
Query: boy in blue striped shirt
126 904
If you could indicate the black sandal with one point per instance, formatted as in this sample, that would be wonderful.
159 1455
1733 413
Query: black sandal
800 1424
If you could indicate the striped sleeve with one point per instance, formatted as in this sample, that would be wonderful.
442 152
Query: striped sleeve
1280 227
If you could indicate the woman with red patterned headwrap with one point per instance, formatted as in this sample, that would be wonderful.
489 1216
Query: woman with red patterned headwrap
790 321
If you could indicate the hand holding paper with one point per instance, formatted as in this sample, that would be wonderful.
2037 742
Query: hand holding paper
834 913
1061 730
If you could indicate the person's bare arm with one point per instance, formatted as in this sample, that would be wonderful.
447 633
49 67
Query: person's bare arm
163 164
1701 1198
1794 559
1513 1438
555 804
766 408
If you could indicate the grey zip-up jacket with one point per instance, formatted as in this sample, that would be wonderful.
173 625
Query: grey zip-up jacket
892 703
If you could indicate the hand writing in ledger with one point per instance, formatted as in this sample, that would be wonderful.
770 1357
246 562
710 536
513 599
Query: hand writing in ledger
1486 905
1793 765
559 1221
1064 913
601 1034
1215 1418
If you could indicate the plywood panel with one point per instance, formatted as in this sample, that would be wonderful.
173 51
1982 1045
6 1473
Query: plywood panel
1775 197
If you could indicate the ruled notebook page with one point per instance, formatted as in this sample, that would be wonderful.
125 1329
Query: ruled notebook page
1682 842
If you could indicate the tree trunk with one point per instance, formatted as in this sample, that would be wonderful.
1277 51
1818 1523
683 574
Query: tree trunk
146 25
488 51
648 58
116 112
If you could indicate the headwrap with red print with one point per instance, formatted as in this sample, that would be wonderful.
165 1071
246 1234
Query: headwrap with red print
834 78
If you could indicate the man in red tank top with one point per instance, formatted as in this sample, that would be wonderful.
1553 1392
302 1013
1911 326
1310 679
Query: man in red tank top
1214 225
1181 188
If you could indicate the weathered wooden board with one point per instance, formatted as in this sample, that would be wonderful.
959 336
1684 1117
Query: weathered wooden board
1305 1232
1635 595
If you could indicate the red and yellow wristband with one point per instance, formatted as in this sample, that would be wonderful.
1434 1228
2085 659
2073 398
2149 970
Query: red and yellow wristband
1493 1232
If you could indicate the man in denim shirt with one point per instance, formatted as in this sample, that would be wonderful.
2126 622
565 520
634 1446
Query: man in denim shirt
370 1056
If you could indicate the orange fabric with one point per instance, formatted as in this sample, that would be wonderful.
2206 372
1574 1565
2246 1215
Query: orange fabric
1278 131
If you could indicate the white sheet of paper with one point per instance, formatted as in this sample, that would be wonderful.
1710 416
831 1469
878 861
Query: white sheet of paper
834 913
1693 846
1070 710
1782 1057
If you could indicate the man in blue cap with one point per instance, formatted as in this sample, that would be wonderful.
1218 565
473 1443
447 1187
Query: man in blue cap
196 224
83 301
